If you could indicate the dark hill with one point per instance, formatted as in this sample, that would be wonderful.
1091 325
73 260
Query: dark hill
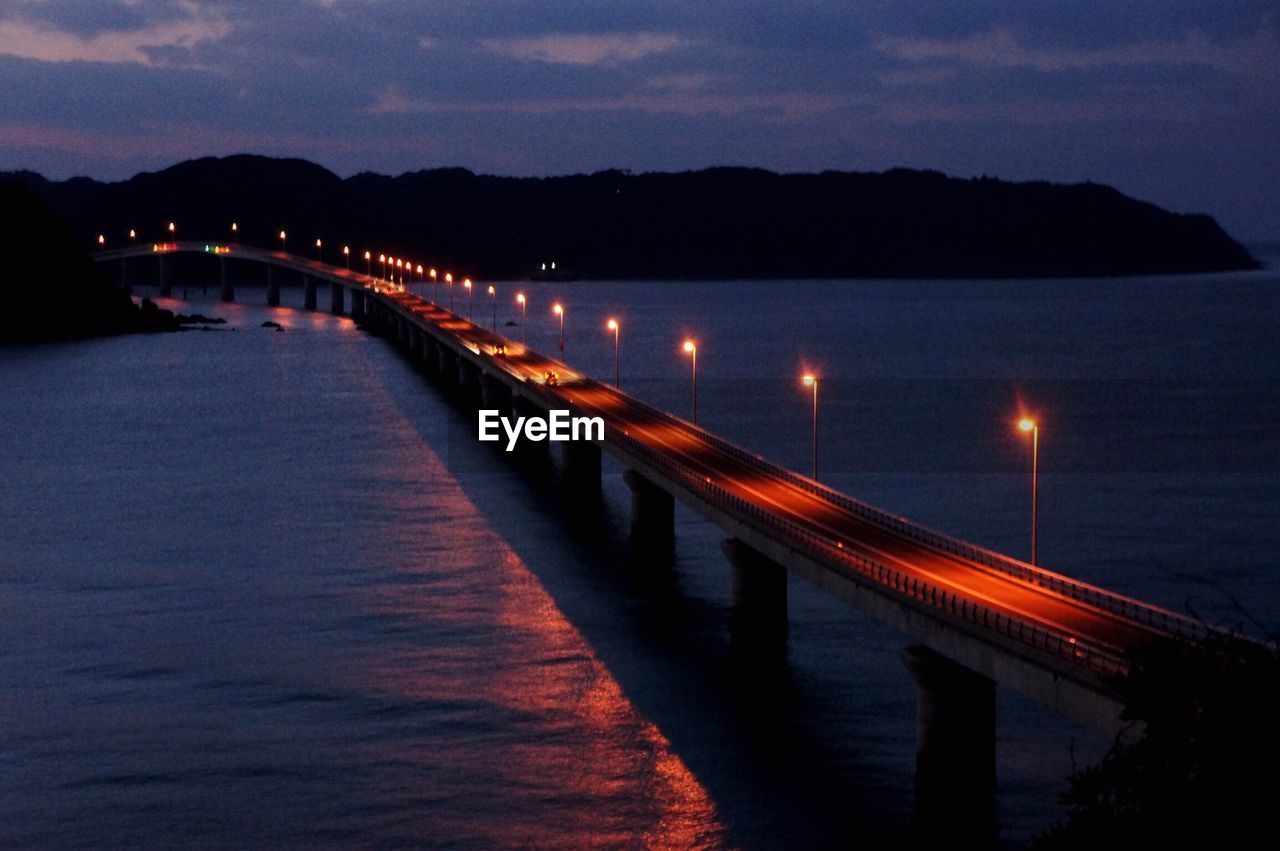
51 288
716 223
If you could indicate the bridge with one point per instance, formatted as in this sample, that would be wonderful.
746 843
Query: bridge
974 618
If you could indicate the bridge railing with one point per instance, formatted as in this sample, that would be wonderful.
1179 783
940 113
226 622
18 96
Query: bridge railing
1109 601
1079 653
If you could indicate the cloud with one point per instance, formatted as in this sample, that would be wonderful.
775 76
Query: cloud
584 48
786 106
158 45
1002 48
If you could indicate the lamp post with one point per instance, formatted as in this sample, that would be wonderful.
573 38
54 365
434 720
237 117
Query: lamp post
133 235
368 264
319 256
102 240
448 282
235 232
382 258
524 335
493 298
812 381
1029 425
558 310
283 237
431 273
691 349
346 255
466 282
420 280
173 229
613 326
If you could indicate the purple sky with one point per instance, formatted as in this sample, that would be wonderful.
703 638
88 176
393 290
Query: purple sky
1176 102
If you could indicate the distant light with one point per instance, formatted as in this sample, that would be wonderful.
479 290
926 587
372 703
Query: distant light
382 258
368 256
234 227
172 227
133 234
520 297
448 277
1026 424
612 325
466 282
558 309
102 240
419 268
689 346
809 380
431 273
491 289
317 243
282 236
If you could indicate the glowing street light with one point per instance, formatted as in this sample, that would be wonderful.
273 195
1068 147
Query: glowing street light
102 240
172 228
1029 425
613 326
283 240
368 264
235 232
431 273
524 336
400 276
346 253
448 282
319 244
466 282
382 258
812 381
493 297
691 349
133 235
558 310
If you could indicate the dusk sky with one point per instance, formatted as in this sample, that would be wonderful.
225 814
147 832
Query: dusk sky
1175 102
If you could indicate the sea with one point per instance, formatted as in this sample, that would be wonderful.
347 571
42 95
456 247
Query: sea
263 587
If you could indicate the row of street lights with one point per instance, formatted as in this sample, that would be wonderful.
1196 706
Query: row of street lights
689 347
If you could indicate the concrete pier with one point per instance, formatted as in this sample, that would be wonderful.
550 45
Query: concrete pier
758 607
308 292
224 278
273 288
337 301
580 464
653 514
357 304
955 747
166 289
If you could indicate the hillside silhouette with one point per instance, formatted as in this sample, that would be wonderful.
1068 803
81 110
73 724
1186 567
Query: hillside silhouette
52 289
716 223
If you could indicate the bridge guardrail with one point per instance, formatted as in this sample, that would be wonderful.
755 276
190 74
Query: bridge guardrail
1144 613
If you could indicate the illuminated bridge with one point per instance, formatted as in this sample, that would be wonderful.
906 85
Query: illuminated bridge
975 618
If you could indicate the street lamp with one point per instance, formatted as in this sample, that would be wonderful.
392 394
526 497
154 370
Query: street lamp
558 310
524 335
431 273
368 264
102 240
400 276
319 256
382 258
613 326
466 282
812 381
1029 425
493 297
448 282
133 235
235 232
691 349
346 254
172 228
283 237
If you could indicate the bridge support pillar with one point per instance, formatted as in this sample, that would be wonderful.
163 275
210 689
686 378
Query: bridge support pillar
495 395
430 354
224 278
357 304
125 286
955 747
653 513
336 300
468 381
308 292
273 288
166 289
448 367
581 464
758 608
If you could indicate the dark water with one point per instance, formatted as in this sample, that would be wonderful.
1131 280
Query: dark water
262 588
